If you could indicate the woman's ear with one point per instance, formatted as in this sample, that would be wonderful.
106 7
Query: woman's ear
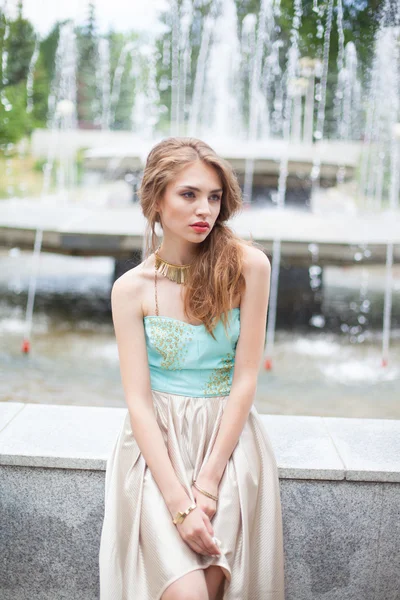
157 217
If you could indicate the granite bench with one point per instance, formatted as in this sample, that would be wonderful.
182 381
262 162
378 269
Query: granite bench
340 491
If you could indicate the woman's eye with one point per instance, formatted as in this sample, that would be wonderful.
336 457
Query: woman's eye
214 196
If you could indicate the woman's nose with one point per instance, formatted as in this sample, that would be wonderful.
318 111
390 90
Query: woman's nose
204 207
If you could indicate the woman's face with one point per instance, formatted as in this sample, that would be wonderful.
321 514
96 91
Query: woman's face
193 196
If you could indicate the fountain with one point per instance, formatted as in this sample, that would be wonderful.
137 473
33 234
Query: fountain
234 80
104 82
62 117
315 143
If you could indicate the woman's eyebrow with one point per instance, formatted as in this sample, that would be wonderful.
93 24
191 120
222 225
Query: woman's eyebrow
191 187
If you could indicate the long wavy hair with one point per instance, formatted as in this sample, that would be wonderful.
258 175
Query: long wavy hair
215 276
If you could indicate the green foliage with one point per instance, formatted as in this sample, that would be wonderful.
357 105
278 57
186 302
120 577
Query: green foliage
20 47
360 18
16 122
41 90
16 52
121 109
43 75
88 100
48 50
360 21
39 164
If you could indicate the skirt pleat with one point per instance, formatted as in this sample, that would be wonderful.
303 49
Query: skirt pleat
141 551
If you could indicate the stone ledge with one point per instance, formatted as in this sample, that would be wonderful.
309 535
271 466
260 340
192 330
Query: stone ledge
312 448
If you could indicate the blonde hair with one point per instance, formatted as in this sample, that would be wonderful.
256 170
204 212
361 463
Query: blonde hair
215 276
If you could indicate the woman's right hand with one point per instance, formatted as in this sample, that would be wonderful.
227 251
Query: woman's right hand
196 530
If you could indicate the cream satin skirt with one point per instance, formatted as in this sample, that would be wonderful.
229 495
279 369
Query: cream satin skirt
141 551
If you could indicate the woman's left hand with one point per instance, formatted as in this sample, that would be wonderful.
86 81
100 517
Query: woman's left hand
208 505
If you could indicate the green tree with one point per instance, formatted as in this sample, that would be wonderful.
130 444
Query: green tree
15 123
360 22
20 47
122 45
43 74
88 98
17 42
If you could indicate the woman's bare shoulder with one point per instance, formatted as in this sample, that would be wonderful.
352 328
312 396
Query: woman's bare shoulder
255 258
128 290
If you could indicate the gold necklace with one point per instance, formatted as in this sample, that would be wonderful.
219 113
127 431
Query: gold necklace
177 273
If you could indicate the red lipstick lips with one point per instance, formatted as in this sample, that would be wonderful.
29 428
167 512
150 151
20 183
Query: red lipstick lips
200 226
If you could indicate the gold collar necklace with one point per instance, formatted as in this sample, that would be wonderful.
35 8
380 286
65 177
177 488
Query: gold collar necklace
177 273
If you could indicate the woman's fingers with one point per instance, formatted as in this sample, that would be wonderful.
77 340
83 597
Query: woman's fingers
201 537
197 548
211 547
209 538
195 537
208 525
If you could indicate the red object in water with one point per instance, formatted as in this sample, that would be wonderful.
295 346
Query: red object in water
26 346
268 364
384 362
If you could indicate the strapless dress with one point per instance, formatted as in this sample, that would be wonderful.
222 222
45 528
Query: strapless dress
141 551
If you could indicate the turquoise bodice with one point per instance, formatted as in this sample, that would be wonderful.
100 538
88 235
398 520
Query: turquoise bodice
185 359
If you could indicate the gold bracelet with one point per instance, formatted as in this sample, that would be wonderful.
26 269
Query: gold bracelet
204 491
181 515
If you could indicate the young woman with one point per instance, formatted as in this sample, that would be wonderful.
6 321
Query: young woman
192 499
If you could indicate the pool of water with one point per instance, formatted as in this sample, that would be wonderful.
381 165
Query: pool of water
74 358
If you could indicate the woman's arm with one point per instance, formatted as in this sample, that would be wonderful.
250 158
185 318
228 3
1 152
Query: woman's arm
135 375
249 352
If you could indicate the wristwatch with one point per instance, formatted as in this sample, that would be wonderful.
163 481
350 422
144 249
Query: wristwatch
180 515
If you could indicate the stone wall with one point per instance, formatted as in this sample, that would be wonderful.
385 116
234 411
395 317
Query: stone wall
340 492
